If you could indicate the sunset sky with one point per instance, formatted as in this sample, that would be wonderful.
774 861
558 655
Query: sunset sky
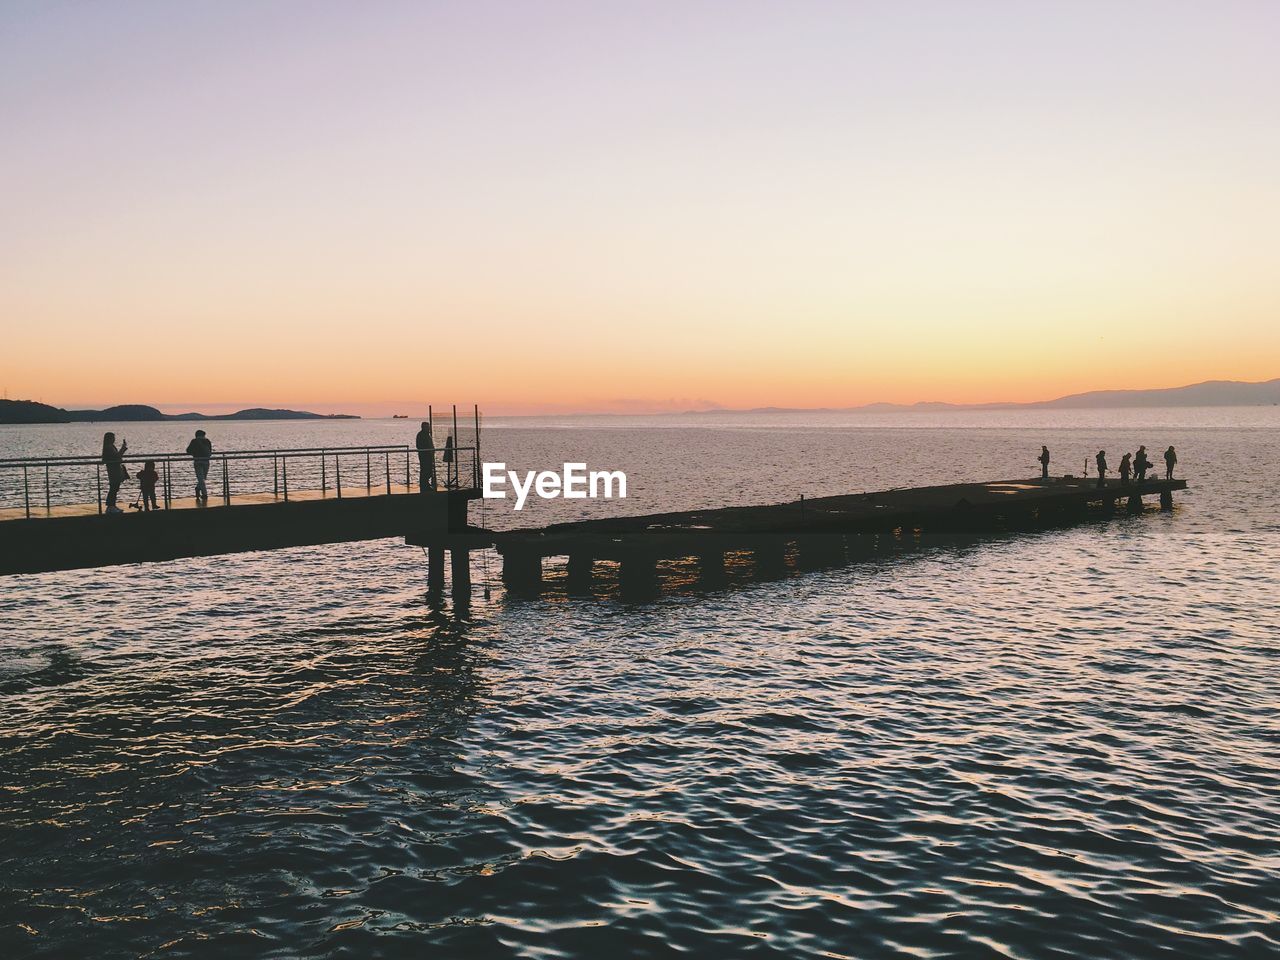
608 206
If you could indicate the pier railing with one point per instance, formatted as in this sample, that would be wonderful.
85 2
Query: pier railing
46 486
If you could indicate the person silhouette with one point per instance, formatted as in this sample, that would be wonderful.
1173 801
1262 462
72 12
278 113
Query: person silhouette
1125 468
148 477
200 449
1141 464
1170 461
426 445
450 469
1044 463
1101 459
114 459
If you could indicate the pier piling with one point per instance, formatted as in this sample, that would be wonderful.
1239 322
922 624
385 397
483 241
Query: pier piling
460 567
435 570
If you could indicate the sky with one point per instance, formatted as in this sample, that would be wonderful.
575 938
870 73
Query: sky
626 207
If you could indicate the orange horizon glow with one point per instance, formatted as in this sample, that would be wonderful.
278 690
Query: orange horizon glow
569 209
520 406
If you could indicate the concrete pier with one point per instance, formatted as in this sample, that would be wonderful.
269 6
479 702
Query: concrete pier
823 531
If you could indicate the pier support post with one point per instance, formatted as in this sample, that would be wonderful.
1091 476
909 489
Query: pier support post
1166 500
821 550
460 563
579 572
711 571
457 514
770 556
891 541
522 571
435 571
860 546
1135 503
638 575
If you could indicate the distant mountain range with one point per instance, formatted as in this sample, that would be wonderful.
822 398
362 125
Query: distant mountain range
28 411
1211 393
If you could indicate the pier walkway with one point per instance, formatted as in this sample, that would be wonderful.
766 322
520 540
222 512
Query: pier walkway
815 532
53 512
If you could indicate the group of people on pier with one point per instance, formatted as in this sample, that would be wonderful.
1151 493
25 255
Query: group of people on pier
200 450
426 445
1133 465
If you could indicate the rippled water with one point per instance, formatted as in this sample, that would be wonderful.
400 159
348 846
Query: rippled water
1055 745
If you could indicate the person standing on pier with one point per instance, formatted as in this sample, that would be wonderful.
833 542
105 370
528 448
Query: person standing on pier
1101 459
1125 468
450 472
148 477
114 459
200 449
1170 461
1044 463
426 445
1141 465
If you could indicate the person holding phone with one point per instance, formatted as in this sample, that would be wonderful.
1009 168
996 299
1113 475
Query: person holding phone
114 460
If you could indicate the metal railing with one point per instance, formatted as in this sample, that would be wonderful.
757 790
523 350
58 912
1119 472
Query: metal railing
46 483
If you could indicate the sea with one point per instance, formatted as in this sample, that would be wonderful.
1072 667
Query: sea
1050 744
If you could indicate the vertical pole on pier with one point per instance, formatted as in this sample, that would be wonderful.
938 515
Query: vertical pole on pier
337 473
386 457
406 471
168 485
284 475
99 488
324 482
275 475
368 473
226 483
456 444
48 505
26 490
475 455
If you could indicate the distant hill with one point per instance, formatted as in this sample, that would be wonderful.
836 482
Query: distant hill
1211 393
28 411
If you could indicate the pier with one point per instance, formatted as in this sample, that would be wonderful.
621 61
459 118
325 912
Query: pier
270 499
810 533
53 510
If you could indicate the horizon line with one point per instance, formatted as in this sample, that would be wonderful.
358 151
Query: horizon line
648 407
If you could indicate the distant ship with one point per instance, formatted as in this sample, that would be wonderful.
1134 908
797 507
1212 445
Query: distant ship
399 416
